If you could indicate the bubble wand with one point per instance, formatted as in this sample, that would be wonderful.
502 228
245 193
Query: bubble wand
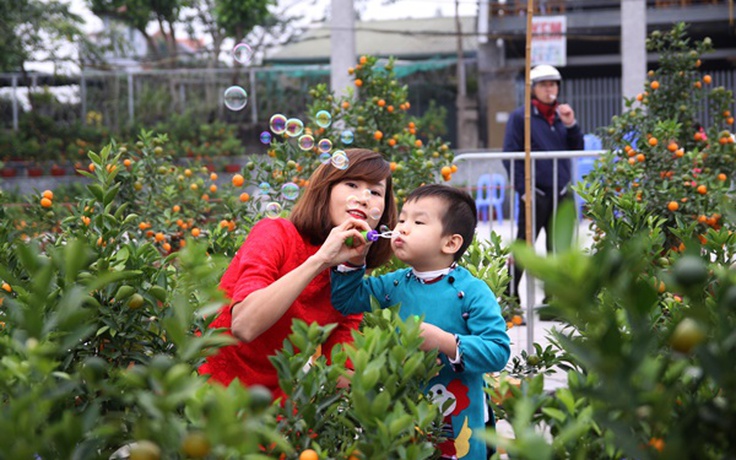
373 235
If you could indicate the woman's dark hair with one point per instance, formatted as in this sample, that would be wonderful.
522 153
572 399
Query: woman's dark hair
311 214
460 215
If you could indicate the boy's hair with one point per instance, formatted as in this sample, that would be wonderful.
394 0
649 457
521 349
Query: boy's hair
311 214
460 214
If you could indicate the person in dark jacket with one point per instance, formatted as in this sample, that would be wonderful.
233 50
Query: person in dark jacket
553 128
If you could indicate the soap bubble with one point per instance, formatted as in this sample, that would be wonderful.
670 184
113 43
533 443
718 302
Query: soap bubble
325 157
242 53
306 142
277 123
375 213
236 98
323 118
346 137
290 191
383 228
340 160
352 201
294 127
324 145
265 137
273 210
264 187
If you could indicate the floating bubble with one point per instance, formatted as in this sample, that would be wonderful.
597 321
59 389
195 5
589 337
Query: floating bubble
242 53
324 145
306 142
294 127
383 228
265 137
325 157
290 191
346 137
375 213
273 210
352 201
323 118
367 194
264 187
340 160
277 123
236 98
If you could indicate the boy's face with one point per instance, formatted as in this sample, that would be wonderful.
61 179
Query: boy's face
421 242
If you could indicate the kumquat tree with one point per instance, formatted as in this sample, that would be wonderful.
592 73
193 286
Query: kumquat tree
108 290
648 312
109 286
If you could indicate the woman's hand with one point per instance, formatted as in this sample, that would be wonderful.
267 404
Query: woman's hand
335 251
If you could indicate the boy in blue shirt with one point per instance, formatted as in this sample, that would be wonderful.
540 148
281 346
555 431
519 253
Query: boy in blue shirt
462 318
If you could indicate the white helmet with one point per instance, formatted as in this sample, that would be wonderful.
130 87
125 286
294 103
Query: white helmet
544 72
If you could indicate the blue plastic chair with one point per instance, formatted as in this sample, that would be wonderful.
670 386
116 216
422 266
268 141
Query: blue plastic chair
483 197
491 192
592 142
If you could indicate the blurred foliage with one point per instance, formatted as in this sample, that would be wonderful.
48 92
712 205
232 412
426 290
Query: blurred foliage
647 334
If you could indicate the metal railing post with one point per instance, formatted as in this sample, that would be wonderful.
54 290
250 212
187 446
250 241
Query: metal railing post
131 100
15 102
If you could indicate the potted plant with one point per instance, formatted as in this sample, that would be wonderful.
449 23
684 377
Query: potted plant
7 171
34 170
57 170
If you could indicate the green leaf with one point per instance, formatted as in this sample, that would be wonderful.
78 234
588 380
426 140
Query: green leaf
97 191
555 414
565 224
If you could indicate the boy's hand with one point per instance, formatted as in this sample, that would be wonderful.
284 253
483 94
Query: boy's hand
438 339
334 251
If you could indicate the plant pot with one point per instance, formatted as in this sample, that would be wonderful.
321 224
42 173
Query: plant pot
35 171
58 171
8 172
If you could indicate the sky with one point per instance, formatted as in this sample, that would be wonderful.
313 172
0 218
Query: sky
372 10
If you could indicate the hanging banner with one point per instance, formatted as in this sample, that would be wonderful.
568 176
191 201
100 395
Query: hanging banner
549 40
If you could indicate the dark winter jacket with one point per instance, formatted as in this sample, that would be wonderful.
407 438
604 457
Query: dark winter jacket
545 137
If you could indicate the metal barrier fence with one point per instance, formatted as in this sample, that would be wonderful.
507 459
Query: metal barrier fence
142 97
146 97
471 165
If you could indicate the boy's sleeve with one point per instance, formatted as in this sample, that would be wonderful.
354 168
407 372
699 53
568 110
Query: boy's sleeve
352 291
487 347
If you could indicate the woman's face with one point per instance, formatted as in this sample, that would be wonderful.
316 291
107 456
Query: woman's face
358 199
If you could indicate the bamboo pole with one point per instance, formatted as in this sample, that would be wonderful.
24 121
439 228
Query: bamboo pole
527 125
528 176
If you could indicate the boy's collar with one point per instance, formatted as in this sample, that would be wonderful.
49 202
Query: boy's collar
434 275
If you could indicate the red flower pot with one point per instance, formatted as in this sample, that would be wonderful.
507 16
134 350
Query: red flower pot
35 171
8 172
58 171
